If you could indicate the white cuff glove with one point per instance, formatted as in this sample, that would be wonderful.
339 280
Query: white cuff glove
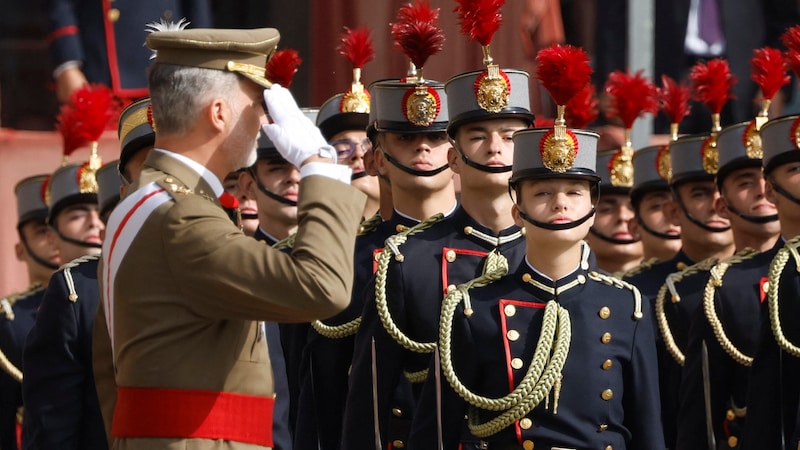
293 134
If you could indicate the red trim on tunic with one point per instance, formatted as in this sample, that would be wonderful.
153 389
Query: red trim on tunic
458 251
68 30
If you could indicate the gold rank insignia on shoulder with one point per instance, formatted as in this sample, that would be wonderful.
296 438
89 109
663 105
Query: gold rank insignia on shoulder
492 89
421 105
558 148
794 131
710 155
663 164
752 141
620 166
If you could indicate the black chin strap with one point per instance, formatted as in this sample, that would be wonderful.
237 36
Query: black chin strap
415 172
658 234
269 193
483 168
754 219
38 259
610 239
555 226
75 241
358 175
780 190
700 224
249 216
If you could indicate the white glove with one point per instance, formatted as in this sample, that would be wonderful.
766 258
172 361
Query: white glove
293 134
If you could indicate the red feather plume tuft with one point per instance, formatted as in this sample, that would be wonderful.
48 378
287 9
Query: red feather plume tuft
544 122
417 32
792 59
674 99
69 127
582 108
356 46
631 96
791 39
769 70
93 107
282 66
711 83
563 70
479 19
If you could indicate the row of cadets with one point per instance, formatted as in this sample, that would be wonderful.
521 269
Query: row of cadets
344 120
772 399
40 254
590 378
60 400
418 266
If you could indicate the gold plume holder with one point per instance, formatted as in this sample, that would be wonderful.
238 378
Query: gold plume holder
710 151
356 99
413 75
492 90
558 148
673 131
94 159
622 166
763 115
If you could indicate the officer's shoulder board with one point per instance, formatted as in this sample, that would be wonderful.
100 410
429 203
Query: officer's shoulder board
66 271
369 225
7 303
623 285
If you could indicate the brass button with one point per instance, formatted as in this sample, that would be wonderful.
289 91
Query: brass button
262 241
400 228
604 312
113 14
397 412
450 256
608 394
512 335
510 310
451 288
680 266
733 441
581 279
168 180
525 423
516 363
527 445
602 427
468 230
608 447
765 286
526 278
606 338
397 443
607 364
730 415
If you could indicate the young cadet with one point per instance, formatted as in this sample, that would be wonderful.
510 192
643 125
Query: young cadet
410 281
723 332
552 355
650 190
617 249
61 403
704 234
18 311
772 398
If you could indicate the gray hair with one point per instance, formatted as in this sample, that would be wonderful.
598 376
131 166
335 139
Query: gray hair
178 94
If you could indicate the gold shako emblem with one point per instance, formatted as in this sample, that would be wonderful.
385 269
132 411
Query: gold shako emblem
421 105
751 139
794 133
710 155
558 152
620 167
356 100
87 179
663 164
492 89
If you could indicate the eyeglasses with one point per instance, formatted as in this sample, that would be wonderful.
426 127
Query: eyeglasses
345 147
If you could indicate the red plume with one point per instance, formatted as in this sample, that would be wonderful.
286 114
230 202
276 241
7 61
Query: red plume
711 83
769 70
674 99
563 70
356 46
631 96
417 32
282 66
70 129
581 108
228 201
479 19
544 122
791 39
93 108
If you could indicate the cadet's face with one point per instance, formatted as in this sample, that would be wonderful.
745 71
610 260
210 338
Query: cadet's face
745 190
614 213
352 147
651 213
555 201
82 223
36 235
487 142
247 205
788 177
419 151
281 178
699 198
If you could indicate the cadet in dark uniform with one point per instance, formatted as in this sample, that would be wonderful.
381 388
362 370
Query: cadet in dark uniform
553 355
723 332
772 398
617 249
403 317
18 311
61 405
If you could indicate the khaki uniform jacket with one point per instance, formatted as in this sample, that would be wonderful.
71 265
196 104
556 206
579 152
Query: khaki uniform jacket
191 290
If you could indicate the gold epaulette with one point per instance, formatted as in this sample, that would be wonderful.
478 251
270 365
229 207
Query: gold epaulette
775 271
66 270
369 225
644 266
621 284
7 303
174 187
716 275
287 242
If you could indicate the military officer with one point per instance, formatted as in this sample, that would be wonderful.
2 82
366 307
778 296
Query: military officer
61 404
208 279
772 398
19 310
616 247
723 332
401 315
590 380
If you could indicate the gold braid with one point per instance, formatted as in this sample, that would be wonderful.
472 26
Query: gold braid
392 250
10 368
775 270
543 373
287 242
6 365
369 225
661 316
646 265
715 281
